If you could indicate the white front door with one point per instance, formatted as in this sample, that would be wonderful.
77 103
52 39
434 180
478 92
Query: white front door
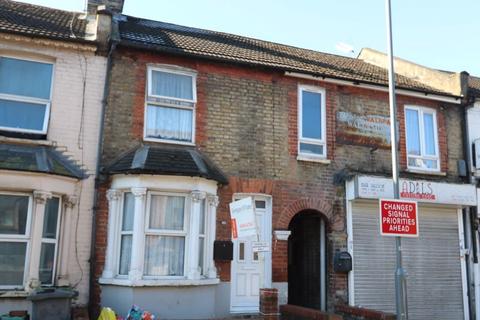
252 270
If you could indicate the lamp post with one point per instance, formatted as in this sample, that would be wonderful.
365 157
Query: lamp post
400 275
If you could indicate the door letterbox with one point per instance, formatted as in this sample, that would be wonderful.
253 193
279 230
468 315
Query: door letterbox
342 262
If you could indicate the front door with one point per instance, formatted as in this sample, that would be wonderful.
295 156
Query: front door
250 270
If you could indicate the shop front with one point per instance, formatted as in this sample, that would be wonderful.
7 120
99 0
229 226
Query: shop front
437 286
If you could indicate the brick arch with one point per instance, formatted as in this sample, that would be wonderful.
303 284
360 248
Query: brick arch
295 207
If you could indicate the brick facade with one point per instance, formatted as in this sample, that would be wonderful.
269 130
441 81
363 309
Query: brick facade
246 122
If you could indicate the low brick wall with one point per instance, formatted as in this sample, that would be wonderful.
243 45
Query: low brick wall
292 312
269 303
356 313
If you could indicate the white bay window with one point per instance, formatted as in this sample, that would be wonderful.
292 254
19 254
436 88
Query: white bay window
170 105
156 237
29 234
422 138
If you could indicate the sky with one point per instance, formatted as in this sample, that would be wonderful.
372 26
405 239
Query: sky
441 34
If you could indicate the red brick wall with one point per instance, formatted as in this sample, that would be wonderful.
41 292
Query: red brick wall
246 122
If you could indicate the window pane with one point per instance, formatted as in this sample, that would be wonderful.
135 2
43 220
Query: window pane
201 245
429 134
125 254
167 212
164 256
313 149
128 210
311 115
12 263
422 163
47 260
22 115
25 78
413 132
172 85
13 214
202 218
51 218
169 123
241 251
260 204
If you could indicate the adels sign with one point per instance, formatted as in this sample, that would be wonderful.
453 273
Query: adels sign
398 218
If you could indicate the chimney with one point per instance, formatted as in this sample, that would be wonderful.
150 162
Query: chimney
100 21
450 82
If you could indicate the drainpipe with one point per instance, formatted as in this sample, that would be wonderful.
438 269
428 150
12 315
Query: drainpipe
112 43
473 218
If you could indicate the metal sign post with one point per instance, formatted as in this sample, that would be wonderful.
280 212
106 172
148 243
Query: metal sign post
400 276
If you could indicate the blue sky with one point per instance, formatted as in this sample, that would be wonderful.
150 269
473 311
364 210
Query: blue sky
441 34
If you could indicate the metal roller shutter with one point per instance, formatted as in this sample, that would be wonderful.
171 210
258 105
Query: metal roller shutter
433 263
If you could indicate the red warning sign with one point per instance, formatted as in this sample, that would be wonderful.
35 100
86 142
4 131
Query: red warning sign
398 218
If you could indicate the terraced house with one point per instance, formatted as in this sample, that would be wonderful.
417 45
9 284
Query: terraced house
196 119
52 75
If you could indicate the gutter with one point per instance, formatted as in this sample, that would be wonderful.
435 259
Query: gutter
366 85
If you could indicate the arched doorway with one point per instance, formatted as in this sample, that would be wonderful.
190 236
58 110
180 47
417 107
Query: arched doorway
307 260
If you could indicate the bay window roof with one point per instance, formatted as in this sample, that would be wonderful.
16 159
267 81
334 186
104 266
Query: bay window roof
167 161
43 159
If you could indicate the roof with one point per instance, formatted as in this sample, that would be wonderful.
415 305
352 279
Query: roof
37 21
43 159
167 37
163 160
474 85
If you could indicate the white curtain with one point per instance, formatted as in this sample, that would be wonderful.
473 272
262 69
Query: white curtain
125 254
164 255
169 123
172 85
167 212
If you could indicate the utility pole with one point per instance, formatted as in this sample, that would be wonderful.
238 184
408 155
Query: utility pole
400 275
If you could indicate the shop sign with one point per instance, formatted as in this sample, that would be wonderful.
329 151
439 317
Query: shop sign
369 130
398 218
369 187
261 246
242 213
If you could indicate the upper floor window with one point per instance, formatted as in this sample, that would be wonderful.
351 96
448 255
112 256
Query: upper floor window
25 94
311 122
170 106
421 137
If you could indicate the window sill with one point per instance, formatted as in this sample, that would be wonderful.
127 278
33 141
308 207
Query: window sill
181 143
4 293
426 172
27 141
313 159
159 283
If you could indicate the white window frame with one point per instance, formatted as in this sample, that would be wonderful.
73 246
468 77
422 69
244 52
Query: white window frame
301 139
421 111
146 230
31 100
173 70
118 243
20 238
173 233
55 241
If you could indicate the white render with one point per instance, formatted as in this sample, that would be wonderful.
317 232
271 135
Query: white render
73 63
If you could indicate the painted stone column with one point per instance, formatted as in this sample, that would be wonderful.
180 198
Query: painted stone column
193 235
212 202
113 197
69 203
39 201
138 238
